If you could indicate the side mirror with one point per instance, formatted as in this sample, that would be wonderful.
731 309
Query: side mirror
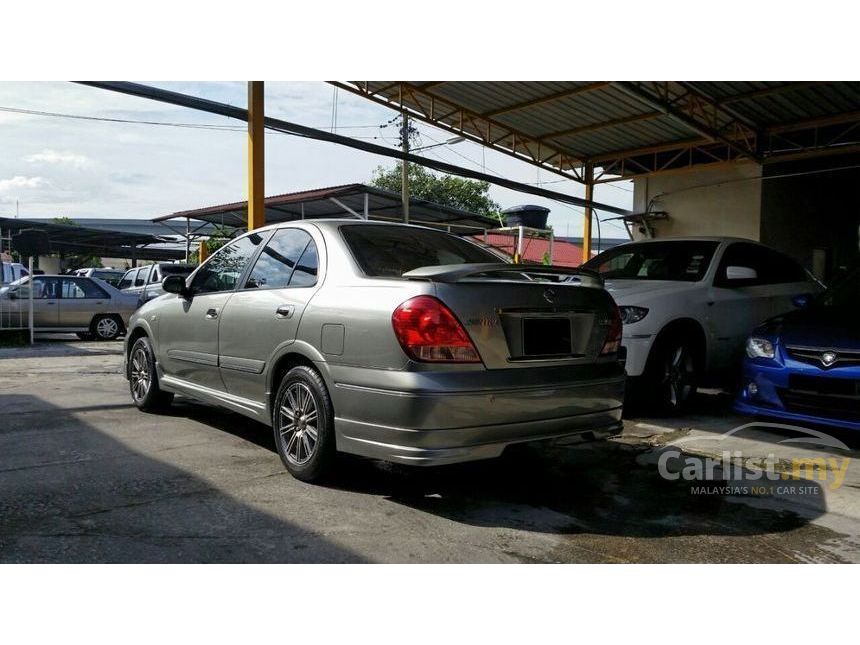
741 273
802 301
175 284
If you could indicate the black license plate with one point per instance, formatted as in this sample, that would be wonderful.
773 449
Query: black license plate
546 337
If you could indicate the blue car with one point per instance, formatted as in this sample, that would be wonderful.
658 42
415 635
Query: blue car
805 366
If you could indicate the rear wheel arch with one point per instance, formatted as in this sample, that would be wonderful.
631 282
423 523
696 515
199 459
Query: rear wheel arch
280 366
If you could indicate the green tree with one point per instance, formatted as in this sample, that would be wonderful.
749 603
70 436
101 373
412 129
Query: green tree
220 236
447 190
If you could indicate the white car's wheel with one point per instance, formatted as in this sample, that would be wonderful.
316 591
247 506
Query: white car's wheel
672 375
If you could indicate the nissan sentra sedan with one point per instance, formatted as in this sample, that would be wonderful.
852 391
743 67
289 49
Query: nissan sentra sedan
389 341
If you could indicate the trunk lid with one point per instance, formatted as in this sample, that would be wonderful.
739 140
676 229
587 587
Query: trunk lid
520 316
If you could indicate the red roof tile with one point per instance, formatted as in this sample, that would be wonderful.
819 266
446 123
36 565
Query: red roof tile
564 254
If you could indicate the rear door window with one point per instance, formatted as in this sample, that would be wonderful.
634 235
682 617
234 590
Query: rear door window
289 260
81 288
391 251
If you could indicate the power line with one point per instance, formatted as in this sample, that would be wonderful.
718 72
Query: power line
198 126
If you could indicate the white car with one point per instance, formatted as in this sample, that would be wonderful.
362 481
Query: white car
688 305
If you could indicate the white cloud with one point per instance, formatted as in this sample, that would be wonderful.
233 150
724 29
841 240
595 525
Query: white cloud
21 182
54 157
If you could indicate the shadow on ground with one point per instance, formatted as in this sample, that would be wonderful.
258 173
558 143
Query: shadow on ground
70 493
599 488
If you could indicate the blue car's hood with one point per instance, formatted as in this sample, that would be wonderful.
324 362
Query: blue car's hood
824 327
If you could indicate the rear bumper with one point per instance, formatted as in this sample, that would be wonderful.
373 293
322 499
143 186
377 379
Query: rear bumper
435 418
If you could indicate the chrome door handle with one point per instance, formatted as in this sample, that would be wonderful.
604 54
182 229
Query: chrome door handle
284 311
212 314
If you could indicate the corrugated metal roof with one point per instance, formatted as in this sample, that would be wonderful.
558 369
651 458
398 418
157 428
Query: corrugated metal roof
563 124
319 203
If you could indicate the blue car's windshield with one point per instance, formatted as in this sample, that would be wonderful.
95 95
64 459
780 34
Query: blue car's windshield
844 294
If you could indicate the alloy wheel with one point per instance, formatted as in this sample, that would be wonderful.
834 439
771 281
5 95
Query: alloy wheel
107 328
141 378
297 424
679 376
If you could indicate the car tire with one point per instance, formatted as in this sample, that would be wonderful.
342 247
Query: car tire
672 375
143 378
108 327
303 424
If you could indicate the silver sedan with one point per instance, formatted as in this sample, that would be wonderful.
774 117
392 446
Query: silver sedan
90 307
389 341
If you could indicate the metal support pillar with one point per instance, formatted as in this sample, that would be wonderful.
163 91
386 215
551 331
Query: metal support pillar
404 167
187 239
30 300
202 252
588 179
256 157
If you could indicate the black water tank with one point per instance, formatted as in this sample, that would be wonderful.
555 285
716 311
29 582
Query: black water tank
526 215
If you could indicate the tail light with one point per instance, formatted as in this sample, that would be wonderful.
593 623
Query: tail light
428 331
613 337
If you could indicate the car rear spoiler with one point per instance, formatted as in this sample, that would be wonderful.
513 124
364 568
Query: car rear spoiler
503 271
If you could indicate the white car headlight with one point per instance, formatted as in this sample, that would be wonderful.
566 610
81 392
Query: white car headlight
760 348
632 314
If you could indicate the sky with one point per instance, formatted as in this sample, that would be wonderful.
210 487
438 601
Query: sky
55 166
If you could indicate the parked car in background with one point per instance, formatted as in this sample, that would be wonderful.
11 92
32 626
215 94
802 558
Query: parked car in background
12 271
111 276
384 340
64 303
688 306
805 366
145 282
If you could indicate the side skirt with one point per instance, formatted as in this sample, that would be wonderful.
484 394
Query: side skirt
246 407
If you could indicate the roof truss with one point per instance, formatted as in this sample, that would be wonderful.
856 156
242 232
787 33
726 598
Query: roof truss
717 131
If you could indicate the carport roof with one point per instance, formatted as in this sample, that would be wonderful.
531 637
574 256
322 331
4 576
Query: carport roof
626 129
105 243
340 201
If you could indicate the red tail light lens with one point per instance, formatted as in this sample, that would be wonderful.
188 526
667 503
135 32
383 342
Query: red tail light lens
428 331
613 337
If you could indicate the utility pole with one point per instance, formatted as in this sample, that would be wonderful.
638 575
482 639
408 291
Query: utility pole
404 166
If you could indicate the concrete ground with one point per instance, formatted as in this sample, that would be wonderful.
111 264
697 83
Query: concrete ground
85 477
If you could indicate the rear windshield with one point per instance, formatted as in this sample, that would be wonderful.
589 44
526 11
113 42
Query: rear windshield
176 269
391 251
682 261
107 275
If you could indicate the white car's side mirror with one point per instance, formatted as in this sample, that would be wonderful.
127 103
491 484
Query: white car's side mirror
741 273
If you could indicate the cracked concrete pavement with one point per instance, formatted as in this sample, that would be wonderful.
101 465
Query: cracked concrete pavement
85 477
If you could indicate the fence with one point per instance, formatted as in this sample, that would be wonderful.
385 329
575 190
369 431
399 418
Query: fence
16 314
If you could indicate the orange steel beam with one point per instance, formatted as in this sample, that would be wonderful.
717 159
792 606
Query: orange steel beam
256 156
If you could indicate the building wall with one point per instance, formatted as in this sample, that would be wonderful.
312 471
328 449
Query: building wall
723 200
